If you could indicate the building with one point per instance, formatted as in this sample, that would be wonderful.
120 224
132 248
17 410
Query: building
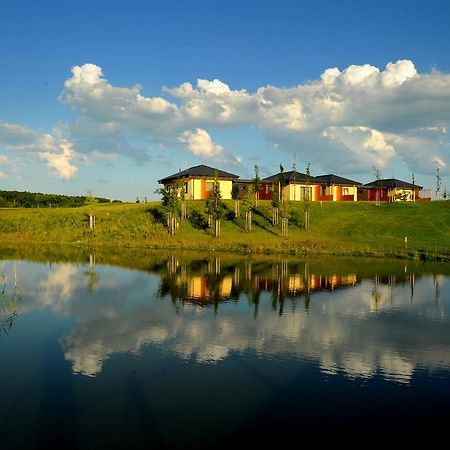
198 181
335 188
390 190
296 185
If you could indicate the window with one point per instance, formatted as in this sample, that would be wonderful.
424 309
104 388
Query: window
324 189
186 187
345 191
209 185
269 188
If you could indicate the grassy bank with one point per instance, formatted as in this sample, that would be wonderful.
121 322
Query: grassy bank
335 228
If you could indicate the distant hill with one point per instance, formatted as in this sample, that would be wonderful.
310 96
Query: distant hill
16 199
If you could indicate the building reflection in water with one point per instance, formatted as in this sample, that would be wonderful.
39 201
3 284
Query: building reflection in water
209 281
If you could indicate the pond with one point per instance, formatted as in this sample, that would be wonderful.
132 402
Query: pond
195 351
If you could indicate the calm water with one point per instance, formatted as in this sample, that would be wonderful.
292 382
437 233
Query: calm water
209 351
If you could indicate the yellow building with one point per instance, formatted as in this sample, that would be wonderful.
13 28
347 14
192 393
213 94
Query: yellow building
198 181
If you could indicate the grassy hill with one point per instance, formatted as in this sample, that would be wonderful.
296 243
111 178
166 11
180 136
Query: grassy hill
335 228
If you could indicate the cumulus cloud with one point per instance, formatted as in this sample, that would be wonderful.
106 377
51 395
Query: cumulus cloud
54 149
199 142
58 153
359 116
346 120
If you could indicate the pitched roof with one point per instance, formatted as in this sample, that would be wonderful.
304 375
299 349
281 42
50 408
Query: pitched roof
198 171
391 183
290 176
335 179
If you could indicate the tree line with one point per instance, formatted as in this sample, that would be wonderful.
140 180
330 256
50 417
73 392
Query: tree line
17 199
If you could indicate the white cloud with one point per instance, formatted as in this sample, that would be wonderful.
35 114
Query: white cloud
61 162
358 115
346 120
54 149
199 143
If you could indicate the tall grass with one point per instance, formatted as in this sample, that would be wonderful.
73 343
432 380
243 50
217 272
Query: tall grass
335 228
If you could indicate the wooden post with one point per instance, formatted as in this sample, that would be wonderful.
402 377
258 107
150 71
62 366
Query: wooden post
217 228
275 215
248 221
284 227
91 221
307 220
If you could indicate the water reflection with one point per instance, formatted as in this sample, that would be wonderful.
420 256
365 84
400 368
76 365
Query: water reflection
357 320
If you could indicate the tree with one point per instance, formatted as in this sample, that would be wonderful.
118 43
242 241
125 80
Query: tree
438 184
171 205
256 182
281 184
306 200
377 175
236 195
90 199
275 203
215 206
249 204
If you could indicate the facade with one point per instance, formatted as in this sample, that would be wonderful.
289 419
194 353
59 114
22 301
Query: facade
390 190
198 181
265 190
335 188
297 185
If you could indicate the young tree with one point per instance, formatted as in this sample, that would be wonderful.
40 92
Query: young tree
307 197
275 203
171 205
438 184
281 184
215 206
248 204
377 175
90 199
236 195
256 183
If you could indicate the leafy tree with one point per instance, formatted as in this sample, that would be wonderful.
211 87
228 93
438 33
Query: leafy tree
249 204
256 183
281 183
215 206
307 195
275 202
171 205
236 195
377 175
438 184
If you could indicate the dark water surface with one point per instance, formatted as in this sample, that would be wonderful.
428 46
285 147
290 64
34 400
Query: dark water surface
205 351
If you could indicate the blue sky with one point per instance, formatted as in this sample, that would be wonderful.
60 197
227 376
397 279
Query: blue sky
111 96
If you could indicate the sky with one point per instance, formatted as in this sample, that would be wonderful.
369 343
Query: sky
112 96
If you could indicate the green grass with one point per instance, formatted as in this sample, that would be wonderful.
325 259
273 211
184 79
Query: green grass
335 228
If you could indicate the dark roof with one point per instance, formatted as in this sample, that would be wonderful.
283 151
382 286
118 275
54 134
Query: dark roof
391 183
290 176
335 179
198 171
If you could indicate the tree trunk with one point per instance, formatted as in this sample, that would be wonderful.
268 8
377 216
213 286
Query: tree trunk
236 209
248 221
284 227
217 228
